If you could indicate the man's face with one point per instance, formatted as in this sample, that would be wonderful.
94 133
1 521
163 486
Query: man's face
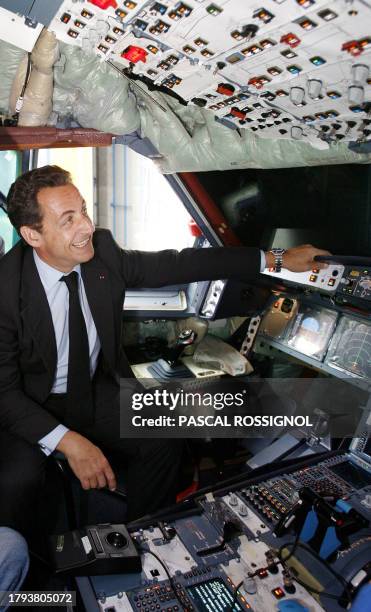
66 236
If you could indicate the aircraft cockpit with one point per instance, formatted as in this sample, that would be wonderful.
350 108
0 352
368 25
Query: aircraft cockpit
199 412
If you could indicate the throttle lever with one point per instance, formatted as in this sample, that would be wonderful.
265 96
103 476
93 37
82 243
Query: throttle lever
345 260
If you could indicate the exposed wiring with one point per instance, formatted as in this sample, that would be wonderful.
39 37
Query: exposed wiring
298 544
28 71
135 84
291 553
165 568
20 99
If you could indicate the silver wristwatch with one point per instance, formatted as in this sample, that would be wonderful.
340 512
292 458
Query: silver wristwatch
278 258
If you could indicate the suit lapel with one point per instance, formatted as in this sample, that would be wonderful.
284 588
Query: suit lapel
98 291
36 313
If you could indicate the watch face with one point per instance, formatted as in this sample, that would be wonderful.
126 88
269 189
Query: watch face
278 251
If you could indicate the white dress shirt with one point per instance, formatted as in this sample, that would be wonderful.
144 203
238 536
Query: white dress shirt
58 299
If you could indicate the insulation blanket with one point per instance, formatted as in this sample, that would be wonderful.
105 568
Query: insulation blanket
93 93
10 57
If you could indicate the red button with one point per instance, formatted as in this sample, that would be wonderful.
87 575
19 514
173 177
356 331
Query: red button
104 4
290 39
134 54
225 89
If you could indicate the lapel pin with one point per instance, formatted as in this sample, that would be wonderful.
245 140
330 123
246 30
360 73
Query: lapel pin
101 277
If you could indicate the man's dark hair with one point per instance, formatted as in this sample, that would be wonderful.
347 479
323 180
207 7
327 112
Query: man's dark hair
22 205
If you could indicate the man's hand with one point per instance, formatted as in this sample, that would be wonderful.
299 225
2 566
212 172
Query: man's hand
299 259
87 462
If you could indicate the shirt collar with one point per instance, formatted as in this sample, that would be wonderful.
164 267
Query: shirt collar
50 276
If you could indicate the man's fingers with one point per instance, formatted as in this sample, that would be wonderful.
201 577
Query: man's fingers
88 463
85 483
111 478
97 481
102 482
301 258
93 482
321 265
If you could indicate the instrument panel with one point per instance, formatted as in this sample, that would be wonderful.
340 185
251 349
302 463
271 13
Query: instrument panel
327 280
350 284
332 335
355 282
225 554
341 342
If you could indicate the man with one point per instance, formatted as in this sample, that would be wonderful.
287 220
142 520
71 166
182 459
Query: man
62 291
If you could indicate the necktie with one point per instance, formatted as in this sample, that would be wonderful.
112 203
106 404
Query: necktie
79 389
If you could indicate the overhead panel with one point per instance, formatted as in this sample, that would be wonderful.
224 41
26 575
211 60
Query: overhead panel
284 69
296 69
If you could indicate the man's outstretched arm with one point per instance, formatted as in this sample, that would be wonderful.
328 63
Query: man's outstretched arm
171 267
146 269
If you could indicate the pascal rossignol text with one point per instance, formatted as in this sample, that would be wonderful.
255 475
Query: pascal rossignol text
221 421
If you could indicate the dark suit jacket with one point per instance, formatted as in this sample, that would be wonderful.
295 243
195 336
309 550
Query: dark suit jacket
28 353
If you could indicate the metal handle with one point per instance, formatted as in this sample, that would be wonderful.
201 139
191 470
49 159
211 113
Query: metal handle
345 260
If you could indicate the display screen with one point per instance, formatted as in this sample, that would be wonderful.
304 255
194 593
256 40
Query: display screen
350 348
311 331
352 474
213 596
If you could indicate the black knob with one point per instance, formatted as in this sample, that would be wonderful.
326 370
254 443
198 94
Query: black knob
116 539
199 102
249 30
